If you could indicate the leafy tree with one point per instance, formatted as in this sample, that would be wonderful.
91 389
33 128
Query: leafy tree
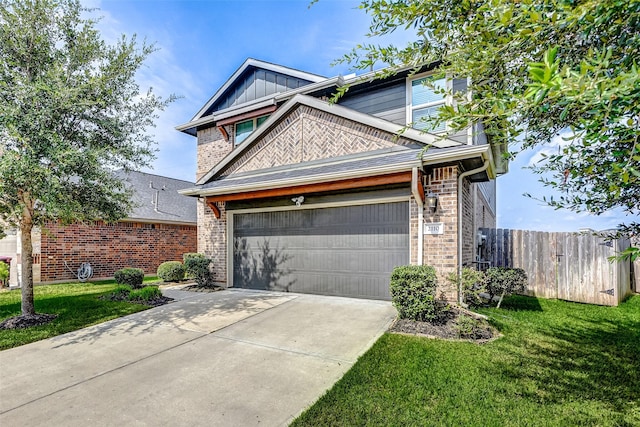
538 68
71 113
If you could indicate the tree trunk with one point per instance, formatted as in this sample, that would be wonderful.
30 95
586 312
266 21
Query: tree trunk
27 266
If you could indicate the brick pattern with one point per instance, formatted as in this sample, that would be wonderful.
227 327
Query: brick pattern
485 218
212 148
468 230
440 251
307 134
110 247
212 240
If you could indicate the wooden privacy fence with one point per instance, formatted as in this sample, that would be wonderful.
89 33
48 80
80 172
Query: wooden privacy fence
568 266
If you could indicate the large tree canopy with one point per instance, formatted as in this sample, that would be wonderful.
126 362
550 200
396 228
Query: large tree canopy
71 113
538 69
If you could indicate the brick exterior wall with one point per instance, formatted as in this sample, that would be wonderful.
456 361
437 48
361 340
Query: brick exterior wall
212 147
440 251
212 240
485 216
110 247
307 134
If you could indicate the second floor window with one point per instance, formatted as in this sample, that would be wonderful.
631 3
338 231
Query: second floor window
426 97
244 128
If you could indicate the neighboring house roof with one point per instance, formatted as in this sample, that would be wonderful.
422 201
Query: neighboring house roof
385 161
420 138
255 63
156 199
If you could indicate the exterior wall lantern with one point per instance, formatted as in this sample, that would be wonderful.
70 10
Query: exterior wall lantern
432 202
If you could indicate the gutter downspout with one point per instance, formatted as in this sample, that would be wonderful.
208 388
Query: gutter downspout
416 184
460 179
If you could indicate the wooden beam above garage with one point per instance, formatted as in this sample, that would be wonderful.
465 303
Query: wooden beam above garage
320 187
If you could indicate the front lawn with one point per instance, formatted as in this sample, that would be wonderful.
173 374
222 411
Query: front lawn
558 364
76 304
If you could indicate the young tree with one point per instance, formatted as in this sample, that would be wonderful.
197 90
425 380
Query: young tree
71 113
538 68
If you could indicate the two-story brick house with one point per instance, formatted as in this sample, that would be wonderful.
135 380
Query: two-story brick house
302 195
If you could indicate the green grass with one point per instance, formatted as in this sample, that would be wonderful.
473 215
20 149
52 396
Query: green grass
558 364
76 304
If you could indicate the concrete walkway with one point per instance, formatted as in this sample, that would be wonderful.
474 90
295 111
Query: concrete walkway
229 358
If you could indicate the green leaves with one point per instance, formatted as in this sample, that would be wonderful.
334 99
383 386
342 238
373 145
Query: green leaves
538 69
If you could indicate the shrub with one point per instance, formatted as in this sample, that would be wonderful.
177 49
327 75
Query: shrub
473 284
504 281
4 273
465 326
148 293
171 271
185 259
198 268
413 292
129 276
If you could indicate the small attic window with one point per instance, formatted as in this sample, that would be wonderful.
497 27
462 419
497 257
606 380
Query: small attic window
245 128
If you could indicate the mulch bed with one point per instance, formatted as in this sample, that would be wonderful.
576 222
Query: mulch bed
446 326
27 321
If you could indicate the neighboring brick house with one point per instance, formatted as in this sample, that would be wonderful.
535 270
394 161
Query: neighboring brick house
303 195
161 227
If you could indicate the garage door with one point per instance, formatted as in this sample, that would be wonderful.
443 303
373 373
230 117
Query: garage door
346 251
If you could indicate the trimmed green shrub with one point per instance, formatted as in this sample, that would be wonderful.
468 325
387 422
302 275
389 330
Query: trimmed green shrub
171 271
187 256
129 276
413 292
473 284
504 281
198 268
148 293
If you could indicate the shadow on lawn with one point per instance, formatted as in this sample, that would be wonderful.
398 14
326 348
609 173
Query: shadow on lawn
578 353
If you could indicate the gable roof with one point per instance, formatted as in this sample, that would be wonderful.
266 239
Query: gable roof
255 63
421 138
156 198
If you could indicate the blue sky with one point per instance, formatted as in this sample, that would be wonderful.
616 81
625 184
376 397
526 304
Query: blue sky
201 43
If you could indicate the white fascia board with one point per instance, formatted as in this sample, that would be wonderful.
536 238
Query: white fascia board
465 152
258 64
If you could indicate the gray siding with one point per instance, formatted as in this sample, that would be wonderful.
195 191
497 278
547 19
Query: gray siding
388 103
256 84
488 190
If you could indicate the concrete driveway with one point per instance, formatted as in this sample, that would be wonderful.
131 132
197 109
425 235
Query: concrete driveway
229 358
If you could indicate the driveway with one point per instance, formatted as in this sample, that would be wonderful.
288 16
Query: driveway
229 358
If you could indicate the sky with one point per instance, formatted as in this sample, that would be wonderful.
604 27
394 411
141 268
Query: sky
200 43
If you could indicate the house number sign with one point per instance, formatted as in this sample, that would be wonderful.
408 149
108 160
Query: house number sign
434 228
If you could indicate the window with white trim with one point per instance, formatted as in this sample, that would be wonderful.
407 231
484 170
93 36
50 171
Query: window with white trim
424 101
243 129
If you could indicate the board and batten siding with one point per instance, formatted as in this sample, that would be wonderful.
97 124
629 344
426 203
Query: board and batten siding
257 84
387 103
